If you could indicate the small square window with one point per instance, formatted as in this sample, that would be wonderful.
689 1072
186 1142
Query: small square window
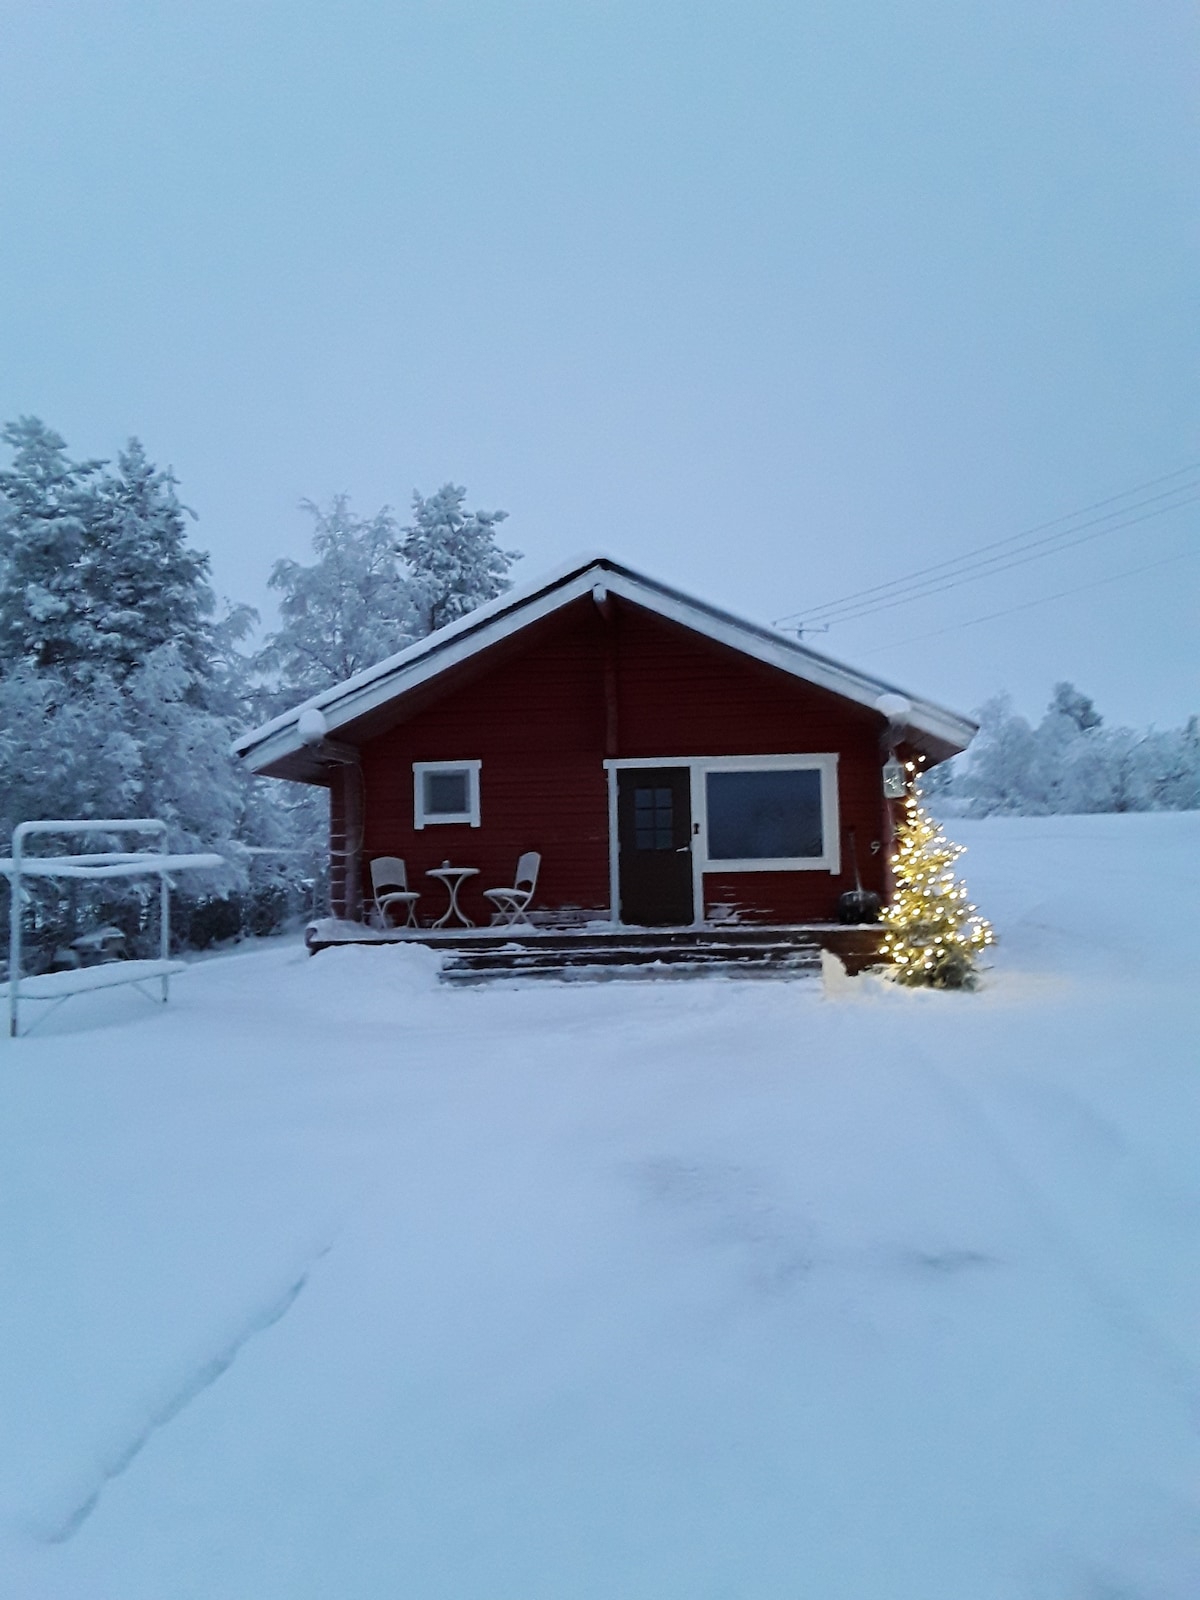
446 791
447 794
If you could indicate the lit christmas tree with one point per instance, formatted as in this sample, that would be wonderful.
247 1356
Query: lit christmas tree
933 932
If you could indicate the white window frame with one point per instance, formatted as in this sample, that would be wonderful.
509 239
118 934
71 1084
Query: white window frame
830 859
824 762
424 819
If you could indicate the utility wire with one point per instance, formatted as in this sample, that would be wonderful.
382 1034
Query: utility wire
1025 605
903 590
971 557
998 564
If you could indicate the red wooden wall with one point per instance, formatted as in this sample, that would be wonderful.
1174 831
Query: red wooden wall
542 723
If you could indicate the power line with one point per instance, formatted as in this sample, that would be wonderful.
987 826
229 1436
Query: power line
1025 605
917 589
971 557
997 564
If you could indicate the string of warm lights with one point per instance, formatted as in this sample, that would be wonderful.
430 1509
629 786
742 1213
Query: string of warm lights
933 932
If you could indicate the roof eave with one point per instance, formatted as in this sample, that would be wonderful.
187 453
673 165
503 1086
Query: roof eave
279 741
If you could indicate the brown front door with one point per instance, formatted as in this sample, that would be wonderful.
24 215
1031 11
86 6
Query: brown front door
654 839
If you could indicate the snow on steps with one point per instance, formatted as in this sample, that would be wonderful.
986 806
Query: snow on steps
474 955
598 967
758 954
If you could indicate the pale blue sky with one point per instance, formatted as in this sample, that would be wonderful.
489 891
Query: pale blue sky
775 300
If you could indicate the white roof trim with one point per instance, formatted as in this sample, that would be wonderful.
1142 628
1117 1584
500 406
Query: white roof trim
500 618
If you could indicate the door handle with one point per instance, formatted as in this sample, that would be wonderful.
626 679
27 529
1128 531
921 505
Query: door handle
684 849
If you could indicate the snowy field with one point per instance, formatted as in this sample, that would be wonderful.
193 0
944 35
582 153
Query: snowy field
328 1282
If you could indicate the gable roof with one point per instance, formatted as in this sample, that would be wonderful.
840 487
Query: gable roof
943 732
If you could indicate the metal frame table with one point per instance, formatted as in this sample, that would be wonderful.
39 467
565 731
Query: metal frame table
59 986
453 878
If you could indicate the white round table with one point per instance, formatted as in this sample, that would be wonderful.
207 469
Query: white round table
453 878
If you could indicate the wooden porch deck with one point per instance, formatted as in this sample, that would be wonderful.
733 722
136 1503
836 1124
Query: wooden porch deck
598 950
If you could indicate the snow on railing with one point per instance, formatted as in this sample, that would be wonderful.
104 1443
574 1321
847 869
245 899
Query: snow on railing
59 986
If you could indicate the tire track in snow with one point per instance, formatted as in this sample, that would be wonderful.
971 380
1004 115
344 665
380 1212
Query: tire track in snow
65 1528
1153 1346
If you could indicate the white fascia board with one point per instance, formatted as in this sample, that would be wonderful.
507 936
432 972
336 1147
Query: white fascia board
514 610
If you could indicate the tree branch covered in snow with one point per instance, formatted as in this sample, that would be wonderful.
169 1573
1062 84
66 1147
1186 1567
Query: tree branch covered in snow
375 587
351 607
452 553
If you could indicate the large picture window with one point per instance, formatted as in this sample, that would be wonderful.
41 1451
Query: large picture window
764 816
768 813
446 791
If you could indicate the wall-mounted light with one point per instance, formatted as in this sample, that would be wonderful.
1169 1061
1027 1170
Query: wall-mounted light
895 785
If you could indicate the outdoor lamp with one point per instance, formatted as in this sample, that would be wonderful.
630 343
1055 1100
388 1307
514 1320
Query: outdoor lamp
894 784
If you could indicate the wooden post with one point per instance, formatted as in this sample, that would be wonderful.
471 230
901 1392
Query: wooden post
612 727
164 919
354 841
345 841
14 937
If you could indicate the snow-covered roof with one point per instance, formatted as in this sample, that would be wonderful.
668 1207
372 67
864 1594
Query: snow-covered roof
389 679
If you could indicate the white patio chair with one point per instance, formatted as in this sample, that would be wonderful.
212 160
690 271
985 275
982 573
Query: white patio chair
511 904
389 885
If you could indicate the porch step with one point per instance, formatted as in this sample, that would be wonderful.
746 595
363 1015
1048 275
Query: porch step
475 955
639 958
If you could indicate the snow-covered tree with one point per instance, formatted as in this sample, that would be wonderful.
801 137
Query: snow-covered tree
64 751
933 933
97 571
46 511
1072 761
1003 770
182 771
145 585
453 556
118 691
1077 708
1175 758
350 607
374 587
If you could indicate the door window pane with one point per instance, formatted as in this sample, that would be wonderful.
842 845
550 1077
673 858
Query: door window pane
653 819
764 816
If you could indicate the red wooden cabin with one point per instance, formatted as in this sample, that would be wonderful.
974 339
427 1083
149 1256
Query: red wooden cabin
674 765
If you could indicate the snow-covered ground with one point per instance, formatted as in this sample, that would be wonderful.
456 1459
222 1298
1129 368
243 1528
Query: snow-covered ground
329 1282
